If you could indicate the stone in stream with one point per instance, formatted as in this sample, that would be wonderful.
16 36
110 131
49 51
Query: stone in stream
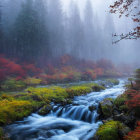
106 108
92 108
45 110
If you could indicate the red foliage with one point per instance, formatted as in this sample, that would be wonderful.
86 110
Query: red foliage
134 135
133 98
128 8
65 68
10 68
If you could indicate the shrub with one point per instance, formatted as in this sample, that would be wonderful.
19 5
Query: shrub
134 135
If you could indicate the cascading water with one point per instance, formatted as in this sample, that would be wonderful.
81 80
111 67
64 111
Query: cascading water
71 122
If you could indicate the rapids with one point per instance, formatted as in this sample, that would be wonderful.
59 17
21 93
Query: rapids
71 122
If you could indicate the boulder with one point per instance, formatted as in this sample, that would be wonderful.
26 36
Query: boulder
45 110
92 108
106 108
128 119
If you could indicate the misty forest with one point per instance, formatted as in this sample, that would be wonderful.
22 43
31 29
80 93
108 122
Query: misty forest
69 70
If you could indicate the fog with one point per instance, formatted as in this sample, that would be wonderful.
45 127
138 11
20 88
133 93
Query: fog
82 28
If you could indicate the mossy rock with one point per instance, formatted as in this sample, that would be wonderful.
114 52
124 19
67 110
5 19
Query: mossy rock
110 130
106 107
45 110
120 103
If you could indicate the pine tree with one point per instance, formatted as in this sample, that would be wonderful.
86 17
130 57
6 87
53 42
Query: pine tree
27 32
76 32
1 33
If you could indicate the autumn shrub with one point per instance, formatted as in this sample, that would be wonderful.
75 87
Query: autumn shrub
13 85
10 68
133 100
137 78
89 74
134 135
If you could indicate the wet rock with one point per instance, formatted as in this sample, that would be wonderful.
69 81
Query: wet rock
128 120
124 131
45 110
92 108
106 108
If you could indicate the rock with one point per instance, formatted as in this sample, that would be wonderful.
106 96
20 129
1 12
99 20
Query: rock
106 108
45 110
128 120
92 108
124 131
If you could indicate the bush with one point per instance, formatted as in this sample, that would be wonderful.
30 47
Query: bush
134 135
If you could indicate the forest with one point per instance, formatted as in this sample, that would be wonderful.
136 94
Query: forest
69 69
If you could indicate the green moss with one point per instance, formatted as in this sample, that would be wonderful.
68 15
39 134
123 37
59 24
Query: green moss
78 90
107 107
113 81
120 102
15 106
32 81
13 85
109 130
94 86
54 93
13 110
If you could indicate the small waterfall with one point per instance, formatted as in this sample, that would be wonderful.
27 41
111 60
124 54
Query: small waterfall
81 113
71 122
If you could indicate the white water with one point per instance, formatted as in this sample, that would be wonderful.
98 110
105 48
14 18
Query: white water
72 122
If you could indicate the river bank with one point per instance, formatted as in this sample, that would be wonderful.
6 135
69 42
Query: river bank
76 90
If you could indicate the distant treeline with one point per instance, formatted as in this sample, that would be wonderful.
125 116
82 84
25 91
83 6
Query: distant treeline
32 29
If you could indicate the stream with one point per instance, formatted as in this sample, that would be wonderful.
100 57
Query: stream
71 122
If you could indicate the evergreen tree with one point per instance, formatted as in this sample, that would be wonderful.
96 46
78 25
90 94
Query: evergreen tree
76 32
28 32
55 27
1 33
90 34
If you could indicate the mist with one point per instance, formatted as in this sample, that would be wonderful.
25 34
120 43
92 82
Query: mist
79 28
